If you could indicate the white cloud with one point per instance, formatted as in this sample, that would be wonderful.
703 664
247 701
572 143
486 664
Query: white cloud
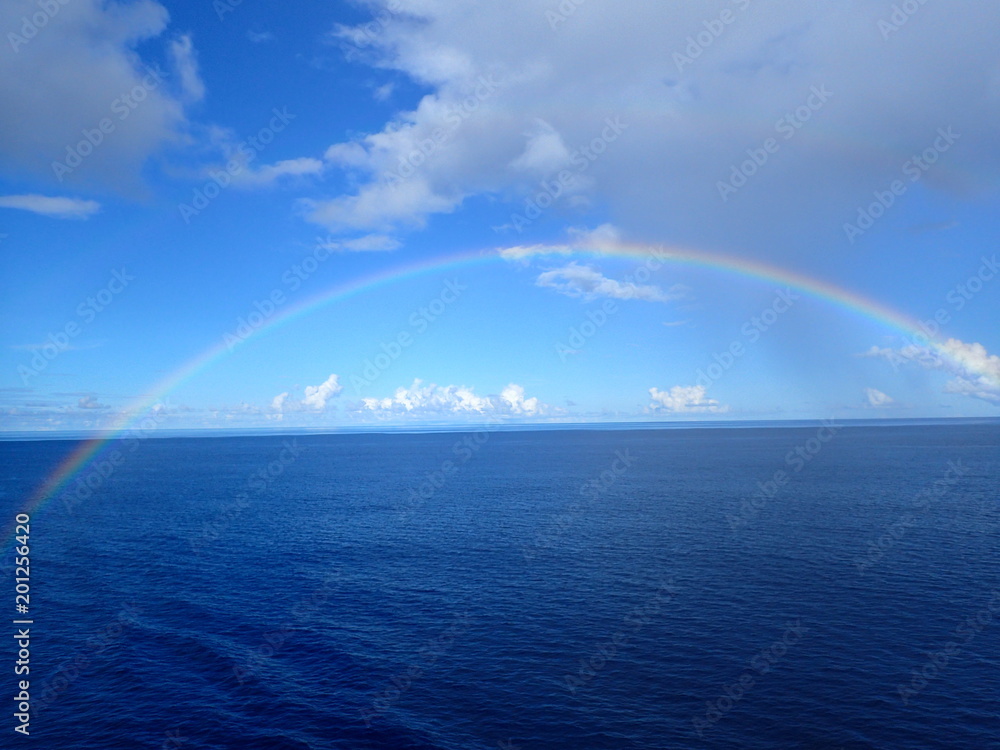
877 399
371 243
269 174
350 154
976 388
56 207
560 85
259 38
241 170
381 206
186 64
513 396
431 400
384 92
604 234
278 402
544 153
575 280
581 238
72 74
977 371
684 399
317 395
975 359
425 161
525 252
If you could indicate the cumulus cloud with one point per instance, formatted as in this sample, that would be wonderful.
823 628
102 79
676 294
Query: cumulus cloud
559 86
315 399
977 371
434 400
684 399
317 395
979 388
82 67
513 397
877 399
56 207
575 280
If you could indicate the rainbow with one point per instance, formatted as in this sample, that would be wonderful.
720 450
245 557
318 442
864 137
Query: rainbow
728 264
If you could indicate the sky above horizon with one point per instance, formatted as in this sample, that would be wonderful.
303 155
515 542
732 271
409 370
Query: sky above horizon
416 211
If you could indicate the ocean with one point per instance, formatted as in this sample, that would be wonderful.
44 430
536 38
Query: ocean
823 585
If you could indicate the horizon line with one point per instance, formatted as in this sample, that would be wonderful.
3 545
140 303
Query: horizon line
197 432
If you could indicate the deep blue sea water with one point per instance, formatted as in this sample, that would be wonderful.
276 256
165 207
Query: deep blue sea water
192 602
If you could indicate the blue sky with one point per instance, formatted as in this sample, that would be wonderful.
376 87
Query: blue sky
164 167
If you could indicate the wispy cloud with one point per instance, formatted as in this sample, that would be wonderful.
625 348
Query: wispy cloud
977 371
684 399
55 207
269 174
186 64
91 402
877 399
367 243
575 280
67 347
